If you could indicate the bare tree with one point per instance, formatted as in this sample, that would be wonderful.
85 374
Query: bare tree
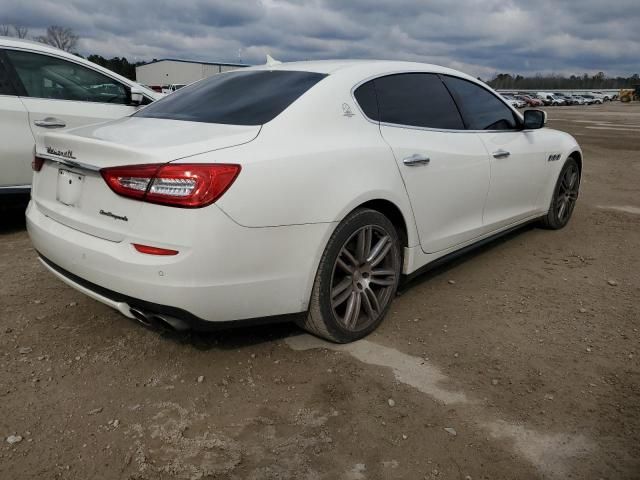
20 31
4 30
60 37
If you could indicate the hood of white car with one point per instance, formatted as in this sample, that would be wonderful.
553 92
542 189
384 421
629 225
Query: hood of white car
136 140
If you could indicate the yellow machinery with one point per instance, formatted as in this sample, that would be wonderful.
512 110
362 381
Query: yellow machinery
630 94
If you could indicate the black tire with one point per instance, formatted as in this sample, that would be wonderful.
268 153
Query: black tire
366 278
565 195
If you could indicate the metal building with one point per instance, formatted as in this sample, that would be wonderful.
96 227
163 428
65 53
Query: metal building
169 71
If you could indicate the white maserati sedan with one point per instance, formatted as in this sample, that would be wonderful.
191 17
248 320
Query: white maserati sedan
302 191
43 88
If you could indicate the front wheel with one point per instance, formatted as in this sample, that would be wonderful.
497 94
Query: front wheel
564 197
357 278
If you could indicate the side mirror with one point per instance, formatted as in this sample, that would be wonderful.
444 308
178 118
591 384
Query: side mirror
137 97
534 119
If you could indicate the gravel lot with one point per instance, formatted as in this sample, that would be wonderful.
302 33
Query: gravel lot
520 360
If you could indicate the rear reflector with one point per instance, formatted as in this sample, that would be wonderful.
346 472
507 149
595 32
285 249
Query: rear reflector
191 185
36 164
149 250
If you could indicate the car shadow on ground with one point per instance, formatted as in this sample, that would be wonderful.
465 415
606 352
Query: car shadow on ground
231 338
12 210
245 336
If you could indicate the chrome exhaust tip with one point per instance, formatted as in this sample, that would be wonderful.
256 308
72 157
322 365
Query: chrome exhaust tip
141 317
172 323
153 320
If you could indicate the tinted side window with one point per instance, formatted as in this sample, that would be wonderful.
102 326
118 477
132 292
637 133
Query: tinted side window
49 77
5 83
417 99
481 109
366 97
252 97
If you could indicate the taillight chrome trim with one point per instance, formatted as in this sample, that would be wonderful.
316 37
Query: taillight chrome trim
67 162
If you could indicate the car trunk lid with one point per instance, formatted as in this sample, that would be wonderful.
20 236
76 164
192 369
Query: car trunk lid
70 189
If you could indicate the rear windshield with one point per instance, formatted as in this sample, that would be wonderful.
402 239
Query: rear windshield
251 97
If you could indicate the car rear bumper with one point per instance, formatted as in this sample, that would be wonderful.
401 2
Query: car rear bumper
238 273
153 314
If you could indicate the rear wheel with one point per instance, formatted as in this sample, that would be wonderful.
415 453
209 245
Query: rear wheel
564 196
357 278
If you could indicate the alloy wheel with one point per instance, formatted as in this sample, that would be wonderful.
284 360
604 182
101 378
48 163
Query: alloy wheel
363 279
567 193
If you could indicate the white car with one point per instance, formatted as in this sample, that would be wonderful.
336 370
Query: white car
592 98
301 191
514 102
600 96
43 88
578 100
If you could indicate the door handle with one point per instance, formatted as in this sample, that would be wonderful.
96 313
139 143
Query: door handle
50 122
501 154
416 159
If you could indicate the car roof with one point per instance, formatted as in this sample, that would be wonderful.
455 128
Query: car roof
362 67
33 45
10 42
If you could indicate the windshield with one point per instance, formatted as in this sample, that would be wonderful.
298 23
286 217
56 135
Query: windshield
251 97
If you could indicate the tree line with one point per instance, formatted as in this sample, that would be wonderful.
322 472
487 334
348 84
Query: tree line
66 39
63 38
598 81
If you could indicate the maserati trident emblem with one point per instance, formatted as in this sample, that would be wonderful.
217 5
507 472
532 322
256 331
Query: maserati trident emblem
346 110
114 216
61 153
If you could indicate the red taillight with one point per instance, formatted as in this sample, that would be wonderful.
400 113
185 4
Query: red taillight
36 164
149 250
132 181
185 185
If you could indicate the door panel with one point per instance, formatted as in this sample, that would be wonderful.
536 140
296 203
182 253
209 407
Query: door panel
518 162
70 113
448 193
60 94
516 179
16 143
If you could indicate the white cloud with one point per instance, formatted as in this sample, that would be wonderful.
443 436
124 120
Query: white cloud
478 36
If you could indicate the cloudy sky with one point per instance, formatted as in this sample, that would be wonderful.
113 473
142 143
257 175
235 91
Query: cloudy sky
481 37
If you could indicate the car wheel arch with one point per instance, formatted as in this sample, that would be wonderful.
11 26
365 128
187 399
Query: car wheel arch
577 156
389 209
393 213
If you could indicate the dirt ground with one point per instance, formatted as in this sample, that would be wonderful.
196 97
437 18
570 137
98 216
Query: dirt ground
519 361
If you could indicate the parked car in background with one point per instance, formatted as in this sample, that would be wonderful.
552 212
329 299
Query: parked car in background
602 96
43 89
543 98
587 101
172 87
530 100
548 98
552 99
566 97
514 102
593 98
155 88
211 204
578 100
